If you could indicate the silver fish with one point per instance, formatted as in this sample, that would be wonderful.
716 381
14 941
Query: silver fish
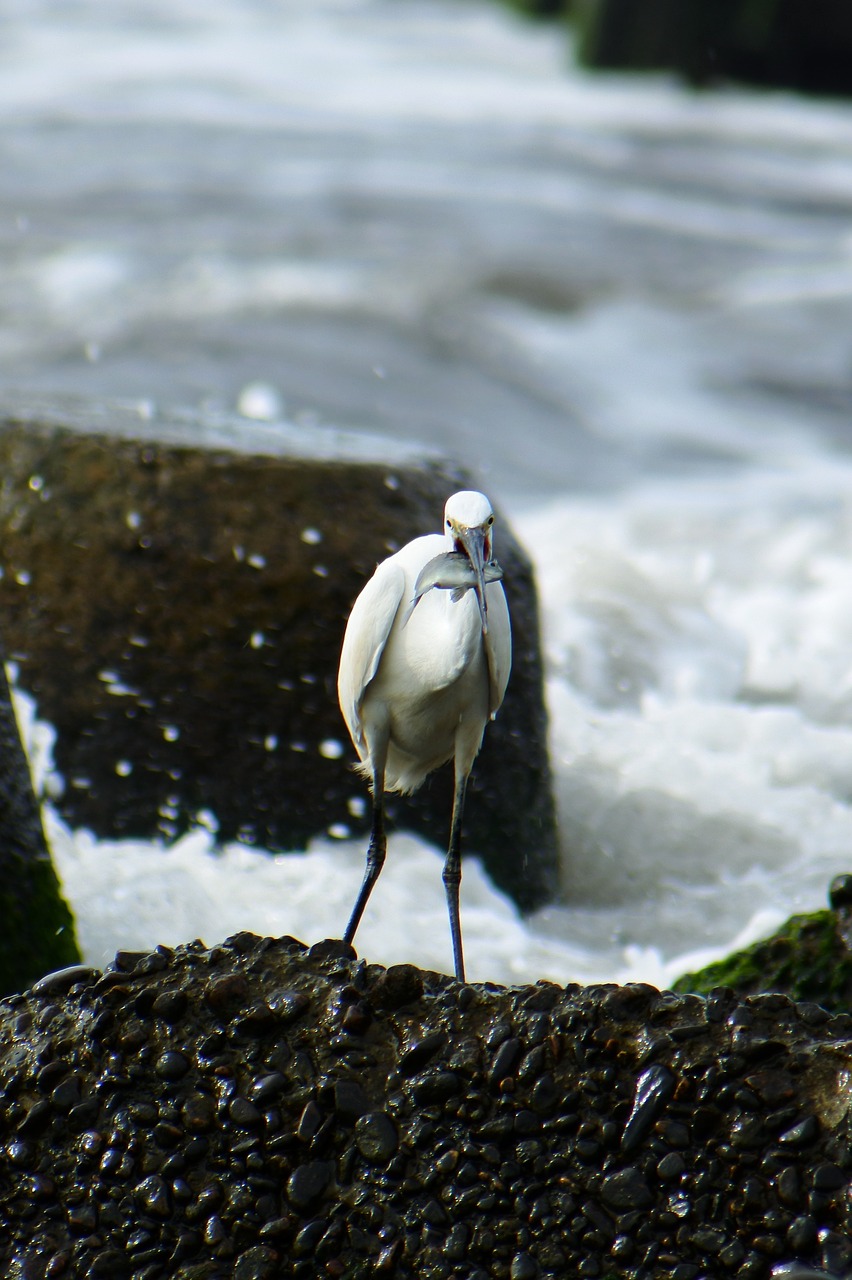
451 571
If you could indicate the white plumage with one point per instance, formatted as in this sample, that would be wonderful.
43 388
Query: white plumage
425 663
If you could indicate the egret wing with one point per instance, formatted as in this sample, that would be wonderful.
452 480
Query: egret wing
498 647
367 632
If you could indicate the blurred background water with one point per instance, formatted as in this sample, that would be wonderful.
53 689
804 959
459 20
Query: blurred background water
625 305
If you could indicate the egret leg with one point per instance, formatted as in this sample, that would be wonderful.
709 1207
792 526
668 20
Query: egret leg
376 851
452 874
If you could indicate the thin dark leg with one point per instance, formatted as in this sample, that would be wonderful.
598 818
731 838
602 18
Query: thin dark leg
376 851
452 875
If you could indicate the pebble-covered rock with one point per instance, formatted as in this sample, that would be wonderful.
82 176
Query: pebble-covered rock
152 1126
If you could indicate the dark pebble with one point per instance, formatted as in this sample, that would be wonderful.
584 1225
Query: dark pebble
835 1252
172 1065
214 1230
532 1064
653 1089
802 1234
350 1100
800 1134
170 1005
523 1267
199 1113
376 1137
66 1094
82 1218
455 1245
772 1087
153 1194
433 1213
61 981
415 1056
626 1189
497 1031
505 1060
717 1003
267 1088
748 1132
732 1254
840 892
827 1177
244 1114
289 1006
435 1086
400 985
740 1017
126 961
709 1239
331 949
258 1263
590 1267
307 1183
544 1094
670 1167
357 1019
226 994
673 1133
309 1121
813 1015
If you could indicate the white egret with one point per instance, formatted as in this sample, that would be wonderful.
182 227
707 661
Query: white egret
424 665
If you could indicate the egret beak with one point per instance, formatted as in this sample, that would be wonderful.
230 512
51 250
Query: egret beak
472 543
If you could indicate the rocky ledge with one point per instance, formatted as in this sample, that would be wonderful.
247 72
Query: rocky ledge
261 1109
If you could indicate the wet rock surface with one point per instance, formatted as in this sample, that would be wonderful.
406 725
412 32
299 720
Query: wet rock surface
174 593
260 1109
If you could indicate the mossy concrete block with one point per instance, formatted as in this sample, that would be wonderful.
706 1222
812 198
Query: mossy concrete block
175 593
808 959
36 927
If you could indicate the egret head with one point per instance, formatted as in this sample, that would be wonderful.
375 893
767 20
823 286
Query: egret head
468 521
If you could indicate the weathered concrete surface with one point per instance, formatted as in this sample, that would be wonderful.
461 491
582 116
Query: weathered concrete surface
36 928
263 1110
176 607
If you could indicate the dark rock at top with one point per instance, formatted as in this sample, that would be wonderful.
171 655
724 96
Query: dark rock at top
175 592
775 42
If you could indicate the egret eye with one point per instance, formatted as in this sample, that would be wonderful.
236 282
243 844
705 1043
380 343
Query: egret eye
490 520
449 524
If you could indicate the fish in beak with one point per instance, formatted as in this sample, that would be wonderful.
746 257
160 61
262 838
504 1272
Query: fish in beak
472 542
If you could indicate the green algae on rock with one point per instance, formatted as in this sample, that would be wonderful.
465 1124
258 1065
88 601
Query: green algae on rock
808 959
36 926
